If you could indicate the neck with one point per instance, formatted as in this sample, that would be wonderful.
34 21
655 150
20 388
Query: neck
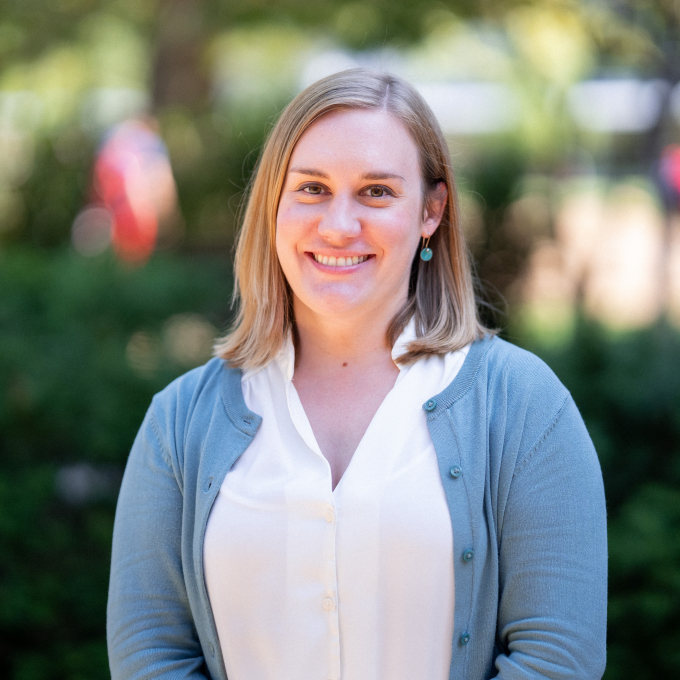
328 343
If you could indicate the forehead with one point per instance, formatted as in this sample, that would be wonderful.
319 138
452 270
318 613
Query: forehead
367 139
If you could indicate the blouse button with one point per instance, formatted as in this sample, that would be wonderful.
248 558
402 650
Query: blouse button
455 471
464 638
468 555
328 603
329 516
430 405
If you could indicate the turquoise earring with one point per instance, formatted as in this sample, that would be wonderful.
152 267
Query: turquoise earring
426 253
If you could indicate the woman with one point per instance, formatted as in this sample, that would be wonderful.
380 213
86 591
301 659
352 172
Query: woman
364 483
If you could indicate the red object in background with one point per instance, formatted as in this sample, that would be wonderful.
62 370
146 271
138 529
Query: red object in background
125 169
670 171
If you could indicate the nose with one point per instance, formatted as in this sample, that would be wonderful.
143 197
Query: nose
339 221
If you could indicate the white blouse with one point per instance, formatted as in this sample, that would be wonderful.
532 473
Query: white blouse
310 583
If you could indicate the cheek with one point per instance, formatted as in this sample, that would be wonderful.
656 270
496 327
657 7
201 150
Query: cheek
285 230
292 221
283 248
401 231
290 230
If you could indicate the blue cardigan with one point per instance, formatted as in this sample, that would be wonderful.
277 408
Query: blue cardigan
524 489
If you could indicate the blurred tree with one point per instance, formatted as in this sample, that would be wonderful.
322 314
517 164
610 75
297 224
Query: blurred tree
165 47
179 75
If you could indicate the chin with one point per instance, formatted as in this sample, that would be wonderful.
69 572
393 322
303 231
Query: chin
335 302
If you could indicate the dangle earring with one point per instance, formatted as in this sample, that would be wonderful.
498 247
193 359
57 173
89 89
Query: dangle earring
426 252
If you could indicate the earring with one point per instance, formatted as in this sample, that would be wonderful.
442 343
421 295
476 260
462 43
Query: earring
426 253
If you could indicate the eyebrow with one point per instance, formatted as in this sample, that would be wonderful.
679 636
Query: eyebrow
382 175
368 175
308 171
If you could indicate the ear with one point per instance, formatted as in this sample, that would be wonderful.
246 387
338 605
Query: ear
435 204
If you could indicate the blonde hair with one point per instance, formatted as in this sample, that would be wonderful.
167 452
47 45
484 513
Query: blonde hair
441 292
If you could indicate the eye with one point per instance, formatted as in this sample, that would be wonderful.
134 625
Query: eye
312 189
377 192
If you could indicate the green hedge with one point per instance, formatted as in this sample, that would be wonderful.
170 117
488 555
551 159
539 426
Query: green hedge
68 396
628 390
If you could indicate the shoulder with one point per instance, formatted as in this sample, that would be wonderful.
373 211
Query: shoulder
193 395
518 393
502 369
523 390
191 384
515 370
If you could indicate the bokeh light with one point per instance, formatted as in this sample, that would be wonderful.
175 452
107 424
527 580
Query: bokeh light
188 339
92 231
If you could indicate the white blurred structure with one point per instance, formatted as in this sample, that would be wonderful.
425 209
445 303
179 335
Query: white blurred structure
469 108
104 107
617 105
612 254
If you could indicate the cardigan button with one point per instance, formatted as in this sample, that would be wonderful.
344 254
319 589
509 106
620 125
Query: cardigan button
211 648
468 555
431 405
464 638
456 471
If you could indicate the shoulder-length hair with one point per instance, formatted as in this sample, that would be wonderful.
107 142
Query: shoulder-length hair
441 294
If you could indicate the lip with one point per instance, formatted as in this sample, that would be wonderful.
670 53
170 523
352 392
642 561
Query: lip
342 269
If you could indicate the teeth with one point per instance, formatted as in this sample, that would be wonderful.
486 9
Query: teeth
340 261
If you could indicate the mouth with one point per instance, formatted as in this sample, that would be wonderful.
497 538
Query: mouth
347 261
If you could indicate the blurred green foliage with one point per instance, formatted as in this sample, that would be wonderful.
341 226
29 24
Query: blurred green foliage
69 394
628 390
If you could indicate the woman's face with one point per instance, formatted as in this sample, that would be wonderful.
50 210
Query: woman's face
351 214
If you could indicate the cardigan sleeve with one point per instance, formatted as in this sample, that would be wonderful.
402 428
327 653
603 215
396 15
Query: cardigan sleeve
553 559
150 629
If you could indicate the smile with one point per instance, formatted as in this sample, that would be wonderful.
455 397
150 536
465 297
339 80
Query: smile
340 261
